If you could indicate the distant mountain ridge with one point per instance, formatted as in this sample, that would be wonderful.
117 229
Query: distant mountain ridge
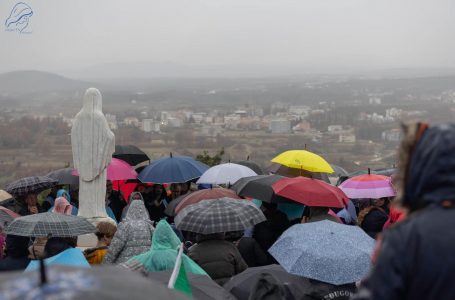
31 81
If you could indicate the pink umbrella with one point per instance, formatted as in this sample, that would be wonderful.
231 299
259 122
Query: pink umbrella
117 170
7 216
369 186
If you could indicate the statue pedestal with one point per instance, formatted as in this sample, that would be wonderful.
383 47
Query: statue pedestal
90 240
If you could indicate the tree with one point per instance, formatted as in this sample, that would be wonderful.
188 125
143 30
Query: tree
210 160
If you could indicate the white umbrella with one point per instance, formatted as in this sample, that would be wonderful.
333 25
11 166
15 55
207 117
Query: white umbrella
225 174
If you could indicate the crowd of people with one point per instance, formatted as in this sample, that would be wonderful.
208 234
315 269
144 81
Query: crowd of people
412 258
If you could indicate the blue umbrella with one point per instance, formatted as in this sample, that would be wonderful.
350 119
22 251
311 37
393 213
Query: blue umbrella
71 257
173 169
325 251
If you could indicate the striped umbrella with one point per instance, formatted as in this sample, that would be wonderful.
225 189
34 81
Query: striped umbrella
370 186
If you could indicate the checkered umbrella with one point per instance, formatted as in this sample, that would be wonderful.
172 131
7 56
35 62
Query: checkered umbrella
219 215
33 184
45 224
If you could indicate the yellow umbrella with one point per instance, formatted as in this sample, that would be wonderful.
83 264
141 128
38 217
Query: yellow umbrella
305 160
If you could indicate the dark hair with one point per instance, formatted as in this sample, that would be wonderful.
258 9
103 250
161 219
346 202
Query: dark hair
56 245
17 246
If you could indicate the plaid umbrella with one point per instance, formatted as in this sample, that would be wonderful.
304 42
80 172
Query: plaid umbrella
83 283
45 224
33 184
64 176
206 194
219 215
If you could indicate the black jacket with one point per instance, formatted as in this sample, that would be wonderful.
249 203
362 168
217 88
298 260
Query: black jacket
416 260
17 253
220 259
117 204
251 252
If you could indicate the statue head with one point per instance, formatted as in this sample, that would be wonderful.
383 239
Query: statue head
92 101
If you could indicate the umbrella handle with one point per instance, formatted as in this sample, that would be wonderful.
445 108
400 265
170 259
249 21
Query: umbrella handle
42 269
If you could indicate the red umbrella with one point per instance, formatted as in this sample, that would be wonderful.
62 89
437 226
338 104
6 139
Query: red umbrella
206 194
117 170
7 216
310 192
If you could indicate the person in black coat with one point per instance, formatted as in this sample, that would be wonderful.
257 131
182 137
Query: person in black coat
115 201
16 253
266 233
372 219
416 257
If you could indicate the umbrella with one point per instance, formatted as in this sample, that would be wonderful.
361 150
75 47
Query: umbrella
219 215
4 195
172 169
84 284
64 176
241 284
71 257
370 186
202 287
338 171
258 187
291 172
311 192
7 216
225 174
45 224
27 185
303 159
252 165
130 153
117 170
206 194
170 208
326 251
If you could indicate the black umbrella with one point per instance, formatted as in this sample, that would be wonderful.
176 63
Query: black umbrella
338 171
252 165
202 287
130 153
241 285
258 187
292 172
82 283
64 176
33 184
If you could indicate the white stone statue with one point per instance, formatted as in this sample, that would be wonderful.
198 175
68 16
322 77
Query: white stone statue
93 144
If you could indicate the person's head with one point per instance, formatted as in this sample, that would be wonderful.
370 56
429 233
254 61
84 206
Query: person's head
105 232
17 246
212 236
318 211
136 196
381 202
425 173
62 206
158 189
175 189
31 199
56 245
184 187
63 193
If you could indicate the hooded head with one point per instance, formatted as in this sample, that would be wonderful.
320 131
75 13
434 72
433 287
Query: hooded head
17 246
63 193
426 169
62 206
164 237
137 211
136 196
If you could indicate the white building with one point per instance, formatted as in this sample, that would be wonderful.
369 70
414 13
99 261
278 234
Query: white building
150 125
280 126
335 128
112 121
347 138
393 135
174 122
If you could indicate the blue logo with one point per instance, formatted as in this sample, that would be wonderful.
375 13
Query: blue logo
19 18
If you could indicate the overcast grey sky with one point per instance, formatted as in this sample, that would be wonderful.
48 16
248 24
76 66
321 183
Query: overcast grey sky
338 35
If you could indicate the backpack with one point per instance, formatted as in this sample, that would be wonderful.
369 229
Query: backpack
268 287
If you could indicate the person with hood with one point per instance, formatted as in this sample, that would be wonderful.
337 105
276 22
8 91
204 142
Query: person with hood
104 232
415 259
16 253
133 235
133 196
219 258
163 253
63 206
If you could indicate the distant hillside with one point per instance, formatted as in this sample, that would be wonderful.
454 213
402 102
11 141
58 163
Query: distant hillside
24 82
